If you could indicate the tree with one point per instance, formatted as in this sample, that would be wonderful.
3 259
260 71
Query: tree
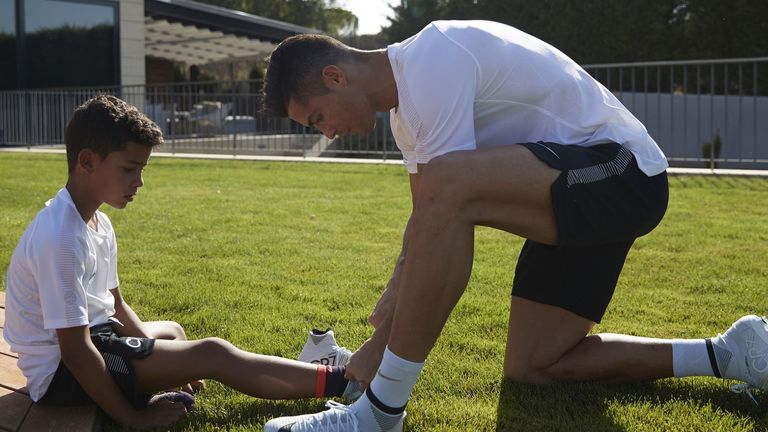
324 15
606 31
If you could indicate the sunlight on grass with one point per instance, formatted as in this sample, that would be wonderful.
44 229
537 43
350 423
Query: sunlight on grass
258 253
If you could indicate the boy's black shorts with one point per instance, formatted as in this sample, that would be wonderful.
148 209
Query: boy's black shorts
602 203
117 351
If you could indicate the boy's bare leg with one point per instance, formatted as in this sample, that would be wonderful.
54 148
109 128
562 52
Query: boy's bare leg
175 363
547 343
170 330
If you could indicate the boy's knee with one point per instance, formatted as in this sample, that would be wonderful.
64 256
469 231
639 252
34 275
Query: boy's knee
176 330
214 345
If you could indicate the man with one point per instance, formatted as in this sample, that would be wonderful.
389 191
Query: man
500 129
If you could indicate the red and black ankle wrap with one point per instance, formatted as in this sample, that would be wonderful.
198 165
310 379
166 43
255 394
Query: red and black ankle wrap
330 381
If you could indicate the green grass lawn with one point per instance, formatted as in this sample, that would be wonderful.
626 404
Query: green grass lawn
258 253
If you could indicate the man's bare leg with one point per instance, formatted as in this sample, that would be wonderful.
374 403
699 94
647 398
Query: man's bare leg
506 187
547 344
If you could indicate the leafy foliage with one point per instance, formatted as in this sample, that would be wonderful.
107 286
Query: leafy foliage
597 31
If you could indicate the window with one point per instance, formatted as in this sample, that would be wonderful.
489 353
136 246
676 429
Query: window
7 44
70 43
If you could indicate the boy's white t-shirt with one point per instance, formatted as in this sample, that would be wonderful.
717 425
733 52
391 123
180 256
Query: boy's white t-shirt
466 85
60 276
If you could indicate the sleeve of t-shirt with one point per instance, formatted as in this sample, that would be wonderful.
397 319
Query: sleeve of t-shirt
61 267
442 81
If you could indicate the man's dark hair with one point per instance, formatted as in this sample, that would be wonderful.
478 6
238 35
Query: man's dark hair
105 124
295 70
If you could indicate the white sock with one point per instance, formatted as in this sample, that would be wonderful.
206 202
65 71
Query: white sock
395 379
690 358
390 388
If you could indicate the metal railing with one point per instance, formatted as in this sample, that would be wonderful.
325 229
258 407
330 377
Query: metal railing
702 113
220 117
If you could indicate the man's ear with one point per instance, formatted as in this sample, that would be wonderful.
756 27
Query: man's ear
87 159
334 76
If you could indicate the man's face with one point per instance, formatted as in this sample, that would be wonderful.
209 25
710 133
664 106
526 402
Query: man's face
343 110
119 176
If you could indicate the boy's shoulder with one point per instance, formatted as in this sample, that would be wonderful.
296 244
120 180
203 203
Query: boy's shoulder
57 224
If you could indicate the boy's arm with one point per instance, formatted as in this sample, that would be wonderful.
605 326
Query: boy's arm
87 366
132 325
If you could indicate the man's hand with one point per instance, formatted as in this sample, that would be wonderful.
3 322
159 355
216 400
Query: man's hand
161 413
385 307
365 362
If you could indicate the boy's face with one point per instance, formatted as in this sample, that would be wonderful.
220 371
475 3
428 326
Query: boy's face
117 177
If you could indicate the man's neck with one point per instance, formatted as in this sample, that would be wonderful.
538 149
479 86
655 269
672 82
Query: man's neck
84 202
380 81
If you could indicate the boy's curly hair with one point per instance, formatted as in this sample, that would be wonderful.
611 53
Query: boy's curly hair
105 124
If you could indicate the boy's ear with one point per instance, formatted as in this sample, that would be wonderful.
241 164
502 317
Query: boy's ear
87 159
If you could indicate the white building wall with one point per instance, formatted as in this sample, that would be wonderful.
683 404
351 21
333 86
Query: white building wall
132 42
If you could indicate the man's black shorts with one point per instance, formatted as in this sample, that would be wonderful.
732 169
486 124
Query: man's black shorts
117 351
602 202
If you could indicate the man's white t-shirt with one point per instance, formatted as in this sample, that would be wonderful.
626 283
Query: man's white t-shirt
60 276
465 85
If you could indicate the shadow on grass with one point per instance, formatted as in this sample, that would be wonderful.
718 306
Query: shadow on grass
586 406
246 414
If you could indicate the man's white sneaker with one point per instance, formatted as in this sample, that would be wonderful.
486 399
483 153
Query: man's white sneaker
741 353
321 348
338 418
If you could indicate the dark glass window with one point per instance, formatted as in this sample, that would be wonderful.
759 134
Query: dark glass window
69 43
7 44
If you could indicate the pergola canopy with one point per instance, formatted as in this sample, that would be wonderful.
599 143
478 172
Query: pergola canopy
196 33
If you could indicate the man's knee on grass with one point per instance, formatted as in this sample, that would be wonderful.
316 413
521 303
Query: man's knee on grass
530 371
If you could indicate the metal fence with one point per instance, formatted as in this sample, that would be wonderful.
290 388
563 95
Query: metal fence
702 113
220 117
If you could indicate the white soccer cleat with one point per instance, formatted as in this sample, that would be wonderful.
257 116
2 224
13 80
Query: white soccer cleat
741 353
321 348
338 418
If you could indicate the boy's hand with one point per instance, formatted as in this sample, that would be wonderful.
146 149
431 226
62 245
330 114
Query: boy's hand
161 413
193 387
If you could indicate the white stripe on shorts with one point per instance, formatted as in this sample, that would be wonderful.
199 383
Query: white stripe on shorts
115 363
601 171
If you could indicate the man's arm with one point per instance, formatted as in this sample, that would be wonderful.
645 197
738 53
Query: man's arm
87 366
131 323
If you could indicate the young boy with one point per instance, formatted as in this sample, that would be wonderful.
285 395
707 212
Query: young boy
78 340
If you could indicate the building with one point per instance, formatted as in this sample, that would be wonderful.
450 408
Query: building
79 43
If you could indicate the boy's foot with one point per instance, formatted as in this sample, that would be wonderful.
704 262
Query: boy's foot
321 348
338 418
176 397
741 353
